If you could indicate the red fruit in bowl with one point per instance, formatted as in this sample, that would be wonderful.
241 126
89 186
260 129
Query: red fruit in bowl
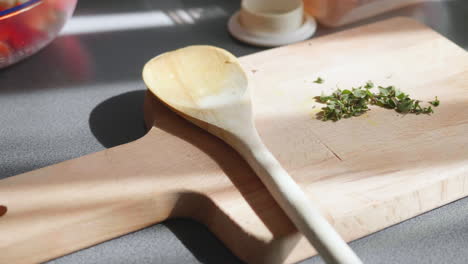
5 53
4 49
43 20
22 36
4 32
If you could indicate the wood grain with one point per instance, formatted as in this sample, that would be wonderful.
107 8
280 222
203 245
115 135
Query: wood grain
365 173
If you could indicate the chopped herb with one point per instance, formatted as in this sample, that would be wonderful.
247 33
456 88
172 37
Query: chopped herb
369 85
436 102
355 102
319 80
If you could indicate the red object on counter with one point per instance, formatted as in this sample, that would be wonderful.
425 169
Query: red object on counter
26 26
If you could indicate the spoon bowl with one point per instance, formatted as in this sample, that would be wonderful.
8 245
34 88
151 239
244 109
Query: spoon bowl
202 82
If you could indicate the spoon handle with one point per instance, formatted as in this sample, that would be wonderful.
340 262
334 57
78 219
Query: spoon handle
300 209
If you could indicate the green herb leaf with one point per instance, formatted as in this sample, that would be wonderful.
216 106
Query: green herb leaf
323 98
405 106
346 92
427 110
359 93
436 102
369 85
400 95
319 80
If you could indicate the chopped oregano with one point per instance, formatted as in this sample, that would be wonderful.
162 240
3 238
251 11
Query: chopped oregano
355 102
319 80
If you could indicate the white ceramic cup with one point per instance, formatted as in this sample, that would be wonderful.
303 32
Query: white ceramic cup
271 16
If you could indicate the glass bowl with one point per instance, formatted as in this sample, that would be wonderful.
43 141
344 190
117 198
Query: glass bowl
26 26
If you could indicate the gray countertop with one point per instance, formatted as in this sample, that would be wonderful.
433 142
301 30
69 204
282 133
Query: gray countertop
71 98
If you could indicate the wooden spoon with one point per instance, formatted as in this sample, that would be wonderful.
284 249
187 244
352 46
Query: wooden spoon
207 86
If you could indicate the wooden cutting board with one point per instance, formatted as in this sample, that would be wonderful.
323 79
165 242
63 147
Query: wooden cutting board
366 173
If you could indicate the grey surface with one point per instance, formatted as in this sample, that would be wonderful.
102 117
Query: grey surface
68 101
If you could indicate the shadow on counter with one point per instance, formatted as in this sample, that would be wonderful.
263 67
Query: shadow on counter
119 119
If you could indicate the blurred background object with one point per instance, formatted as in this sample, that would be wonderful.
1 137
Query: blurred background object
334 13
269 23
26 26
